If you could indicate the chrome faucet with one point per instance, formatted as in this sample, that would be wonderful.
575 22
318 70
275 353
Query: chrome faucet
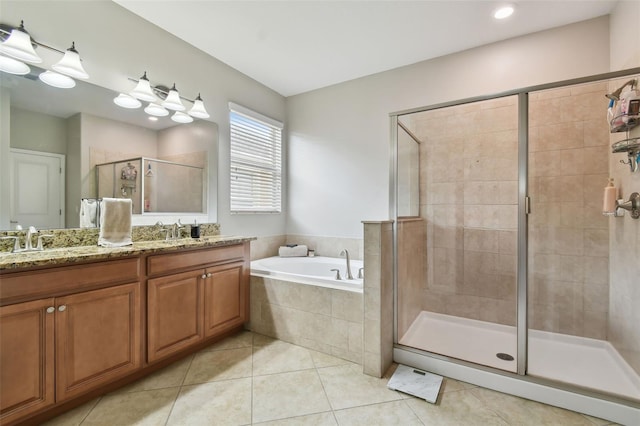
345 253
28 241
176 230
28 244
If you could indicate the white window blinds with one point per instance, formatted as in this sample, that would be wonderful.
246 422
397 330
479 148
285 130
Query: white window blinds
256 162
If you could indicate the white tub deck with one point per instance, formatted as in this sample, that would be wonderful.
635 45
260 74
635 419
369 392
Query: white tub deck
310 271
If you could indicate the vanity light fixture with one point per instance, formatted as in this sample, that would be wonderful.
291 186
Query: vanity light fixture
143 90
19 46
156 110
164 99
58 80
13 66
127 101
198 110
70 64
181 117
503 11
173 101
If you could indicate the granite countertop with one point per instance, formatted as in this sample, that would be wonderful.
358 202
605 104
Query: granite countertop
58 256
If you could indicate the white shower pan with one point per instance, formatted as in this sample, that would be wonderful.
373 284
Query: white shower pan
576 360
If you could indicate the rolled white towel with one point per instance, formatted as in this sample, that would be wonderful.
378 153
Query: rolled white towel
297 251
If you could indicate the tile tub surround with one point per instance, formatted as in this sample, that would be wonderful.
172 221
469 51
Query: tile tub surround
267 246
274 382
378 297
328 246
324 319
76 237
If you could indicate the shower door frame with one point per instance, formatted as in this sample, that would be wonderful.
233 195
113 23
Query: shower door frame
551 392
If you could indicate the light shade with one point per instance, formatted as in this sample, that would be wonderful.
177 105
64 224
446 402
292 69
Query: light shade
143 90
125 101
181 117
57 80
198 109
173 101
70 64
156 110
18 45
13 66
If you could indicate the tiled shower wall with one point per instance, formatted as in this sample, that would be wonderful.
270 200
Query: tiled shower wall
468 193
568 236
624 296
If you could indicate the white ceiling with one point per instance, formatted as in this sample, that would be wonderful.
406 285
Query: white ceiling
296 46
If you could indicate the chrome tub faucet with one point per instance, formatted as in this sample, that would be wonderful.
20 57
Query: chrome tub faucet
345 253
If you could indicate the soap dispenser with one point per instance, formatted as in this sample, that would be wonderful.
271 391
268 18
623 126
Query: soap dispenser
610 196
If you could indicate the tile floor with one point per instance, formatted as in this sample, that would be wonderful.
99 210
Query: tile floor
252 379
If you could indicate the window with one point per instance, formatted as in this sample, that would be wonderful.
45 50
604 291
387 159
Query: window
256 162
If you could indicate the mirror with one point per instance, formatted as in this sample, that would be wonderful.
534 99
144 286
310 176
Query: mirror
70 131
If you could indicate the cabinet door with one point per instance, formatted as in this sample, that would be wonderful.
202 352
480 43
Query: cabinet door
224 295
174 313
26 358
97 338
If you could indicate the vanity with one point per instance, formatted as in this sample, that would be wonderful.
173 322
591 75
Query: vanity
82 321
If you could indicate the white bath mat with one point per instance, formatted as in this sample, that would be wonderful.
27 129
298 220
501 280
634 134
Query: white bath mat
416 382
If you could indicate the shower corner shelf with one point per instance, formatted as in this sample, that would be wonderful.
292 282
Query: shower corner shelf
626 145
632 147
624 123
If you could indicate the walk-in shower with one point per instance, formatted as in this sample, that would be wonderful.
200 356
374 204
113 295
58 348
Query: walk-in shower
505 264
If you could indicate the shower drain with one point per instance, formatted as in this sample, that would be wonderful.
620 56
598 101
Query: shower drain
504 357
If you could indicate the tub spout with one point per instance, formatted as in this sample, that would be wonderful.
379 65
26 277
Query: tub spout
345 253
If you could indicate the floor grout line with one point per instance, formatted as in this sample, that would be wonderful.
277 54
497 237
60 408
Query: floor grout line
90 410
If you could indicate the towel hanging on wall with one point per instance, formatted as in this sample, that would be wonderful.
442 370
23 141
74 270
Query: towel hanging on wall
115 222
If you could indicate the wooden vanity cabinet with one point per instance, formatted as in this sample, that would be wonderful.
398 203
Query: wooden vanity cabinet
174 313
97 338
26 358
225 296
209 298
53 349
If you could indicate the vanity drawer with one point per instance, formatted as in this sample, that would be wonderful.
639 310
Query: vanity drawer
36 284
185 260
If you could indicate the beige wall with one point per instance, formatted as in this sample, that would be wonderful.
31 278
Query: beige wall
568 236
38 132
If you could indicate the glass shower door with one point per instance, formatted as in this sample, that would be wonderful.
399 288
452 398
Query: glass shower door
457 260
573 301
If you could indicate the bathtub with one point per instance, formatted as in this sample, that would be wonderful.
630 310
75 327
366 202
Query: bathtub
310 271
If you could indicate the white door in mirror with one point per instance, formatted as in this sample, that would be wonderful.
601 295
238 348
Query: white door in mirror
37 189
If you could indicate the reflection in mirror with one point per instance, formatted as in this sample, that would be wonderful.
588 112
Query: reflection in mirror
81 127
408 172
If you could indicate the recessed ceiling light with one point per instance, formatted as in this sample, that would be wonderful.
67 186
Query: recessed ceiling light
503 12
153 118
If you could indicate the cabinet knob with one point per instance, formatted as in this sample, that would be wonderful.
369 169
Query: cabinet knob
62 308
51 310
209 275
204 276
